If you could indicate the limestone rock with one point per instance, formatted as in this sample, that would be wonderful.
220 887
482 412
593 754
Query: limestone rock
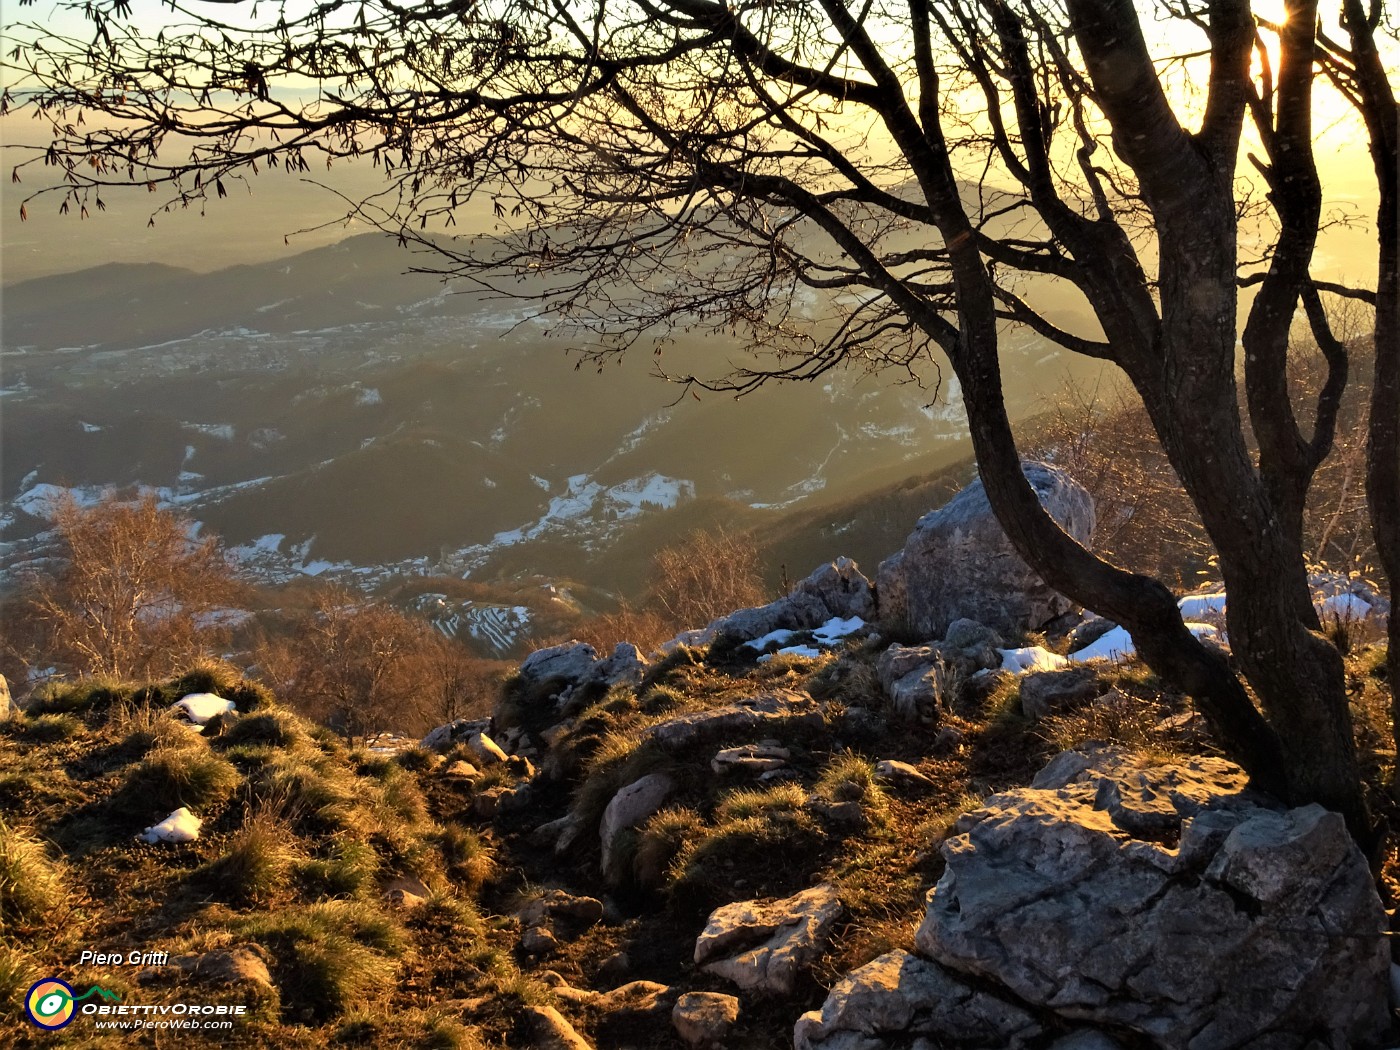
570 661
6 706
629 808
901 994
842 589
461 770
798 611
538 940
903 772
703 1019
781 708
550 1031
752 758
762 945
958 563
638 998
227 966
557 906
444 736
1259 927
1044 693
488 750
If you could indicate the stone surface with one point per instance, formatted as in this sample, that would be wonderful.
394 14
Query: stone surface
768 712
6 706
549 1030
558 906
903 772
486 749
703 1019
638 998
751 758
538 940
842 588
902 994
798 611
630 807
570 661
461 770
1044 693
1251 926
762 945
444 736
226 966
958 563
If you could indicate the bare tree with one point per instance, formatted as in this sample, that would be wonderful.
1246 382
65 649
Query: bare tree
707 575
134 595
353 664
939 168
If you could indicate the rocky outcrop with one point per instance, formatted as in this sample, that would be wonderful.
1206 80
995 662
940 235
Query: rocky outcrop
629 808
1166 901
575 670
900 995
919 678
762 757
834 591
779 709
762 945
958 563
556 916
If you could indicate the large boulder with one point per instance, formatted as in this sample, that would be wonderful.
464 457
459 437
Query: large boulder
1167 901
762 945
570 661
842 589
958 563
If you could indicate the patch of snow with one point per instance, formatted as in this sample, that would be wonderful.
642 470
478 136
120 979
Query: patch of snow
89 428
43 500
369 396
779 636
180 826
488 483
1031 658
1344 607
222 431
804 651
200 707
540 482
1194 606
1117 644
270 542
652 489
837 628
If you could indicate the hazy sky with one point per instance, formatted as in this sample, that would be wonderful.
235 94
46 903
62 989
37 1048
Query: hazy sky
251 224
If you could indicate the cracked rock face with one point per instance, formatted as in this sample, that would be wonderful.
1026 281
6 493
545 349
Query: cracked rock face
902 994
762 945
958 563
781 708
1167 901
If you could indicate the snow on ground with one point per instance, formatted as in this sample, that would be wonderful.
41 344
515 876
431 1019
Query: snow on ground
180 826
43 500
90 428
1117 644
1031 658
369 396
1344 607
805 651
200 707
223 431
836 628
779 636
1195 606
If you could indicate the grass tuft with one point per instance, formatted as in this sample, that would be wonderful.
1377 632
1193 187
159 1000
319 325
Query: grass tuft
31 885
170 777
